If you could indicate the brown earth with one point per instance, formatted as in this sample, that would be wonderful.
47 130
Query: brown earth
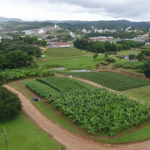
66 138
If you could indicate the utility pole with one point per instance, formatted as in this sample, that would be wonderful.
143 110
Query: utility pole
5 138
131 124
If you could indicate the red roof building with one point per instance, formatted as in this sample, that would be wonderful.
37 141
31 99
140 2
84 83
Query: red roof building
63 44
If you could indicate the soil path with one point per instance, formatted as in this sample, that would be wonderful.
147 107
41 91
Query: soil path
43 49
69 140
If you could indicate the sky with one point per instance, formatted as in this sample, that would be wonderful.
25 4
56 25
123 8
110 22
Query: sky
30 10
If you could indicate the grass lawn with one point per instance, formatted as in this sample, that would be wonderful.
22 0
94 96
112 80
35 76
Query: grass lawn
128 52
23 135
63 52
142 93
84 62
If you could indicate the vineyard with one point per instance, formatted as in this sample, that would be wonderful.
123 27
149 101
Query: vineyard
111 80
40 89
15 74
61 84
99 110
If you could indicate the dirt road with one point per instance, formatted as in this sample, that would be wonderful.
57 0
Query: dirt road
69 140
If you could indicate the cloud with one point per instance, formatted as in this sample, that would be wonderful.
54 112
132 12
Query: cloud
76 9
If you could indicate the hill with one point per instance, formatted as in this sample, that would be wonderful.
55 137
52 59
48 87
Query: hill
4 19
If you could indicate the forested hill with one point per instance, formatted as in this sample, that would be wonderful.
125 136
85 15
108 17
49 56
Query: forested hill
118 24
3 19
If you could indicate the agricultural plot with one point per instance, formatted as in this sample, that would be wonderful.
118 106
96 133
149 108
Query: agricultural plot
62 84
100 110
63 52
112 80
41 89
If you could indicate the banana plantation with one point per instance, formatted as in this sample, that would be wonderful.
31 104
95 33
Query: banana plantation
97 110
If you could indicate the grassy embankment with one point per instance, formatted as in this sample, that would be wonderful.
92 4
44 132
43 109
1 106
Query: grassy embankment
23 135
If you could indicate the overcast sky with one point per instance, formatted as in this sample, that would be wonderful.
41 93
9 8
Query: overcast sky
134 10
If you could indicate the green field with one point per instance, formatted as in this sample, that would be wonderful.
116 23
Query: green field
62 52
142 93
112 80
84 62
23 135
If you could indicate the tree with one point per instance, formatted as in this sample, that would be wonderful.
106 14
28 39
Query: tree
106 55
146 68
95 56
132 56
37 53
140 56
10 105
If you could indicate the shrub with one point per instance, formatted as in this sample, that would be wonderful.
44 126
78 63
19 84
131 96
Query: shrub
10 105
111 60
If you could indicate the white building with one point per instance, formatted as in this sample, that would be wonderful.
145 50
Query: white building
27 31
55 26
72 34
41 31
84 31
0 39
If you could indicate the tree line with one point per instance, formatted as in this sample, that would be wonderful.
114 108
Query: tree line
102 47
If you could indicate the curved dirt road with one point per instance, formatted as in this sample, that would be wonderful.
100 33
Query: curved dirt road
69 140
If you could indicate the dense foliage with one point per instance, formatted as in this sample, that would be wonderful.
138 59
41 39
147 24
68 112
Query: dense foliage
146 52
16 74
121 34
17 54
146 69
112 80
100 110
102 47
41 89
61 84
10 105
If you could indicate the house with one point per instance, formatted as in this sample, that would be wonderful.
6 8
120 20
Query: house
0 39
63 44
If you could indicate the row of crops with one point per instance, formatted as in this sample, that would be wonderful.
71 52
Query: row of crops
101 110
61 84
40 89
111 80
15 74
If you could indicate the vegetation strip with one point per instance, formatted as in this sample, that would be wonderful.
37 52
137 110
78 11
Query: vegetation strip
111 80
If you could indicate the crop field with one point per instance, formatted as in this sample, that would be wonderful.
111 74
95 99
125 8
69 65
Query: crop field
61 84
101 110
112 80
41 89
63 52
84 62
